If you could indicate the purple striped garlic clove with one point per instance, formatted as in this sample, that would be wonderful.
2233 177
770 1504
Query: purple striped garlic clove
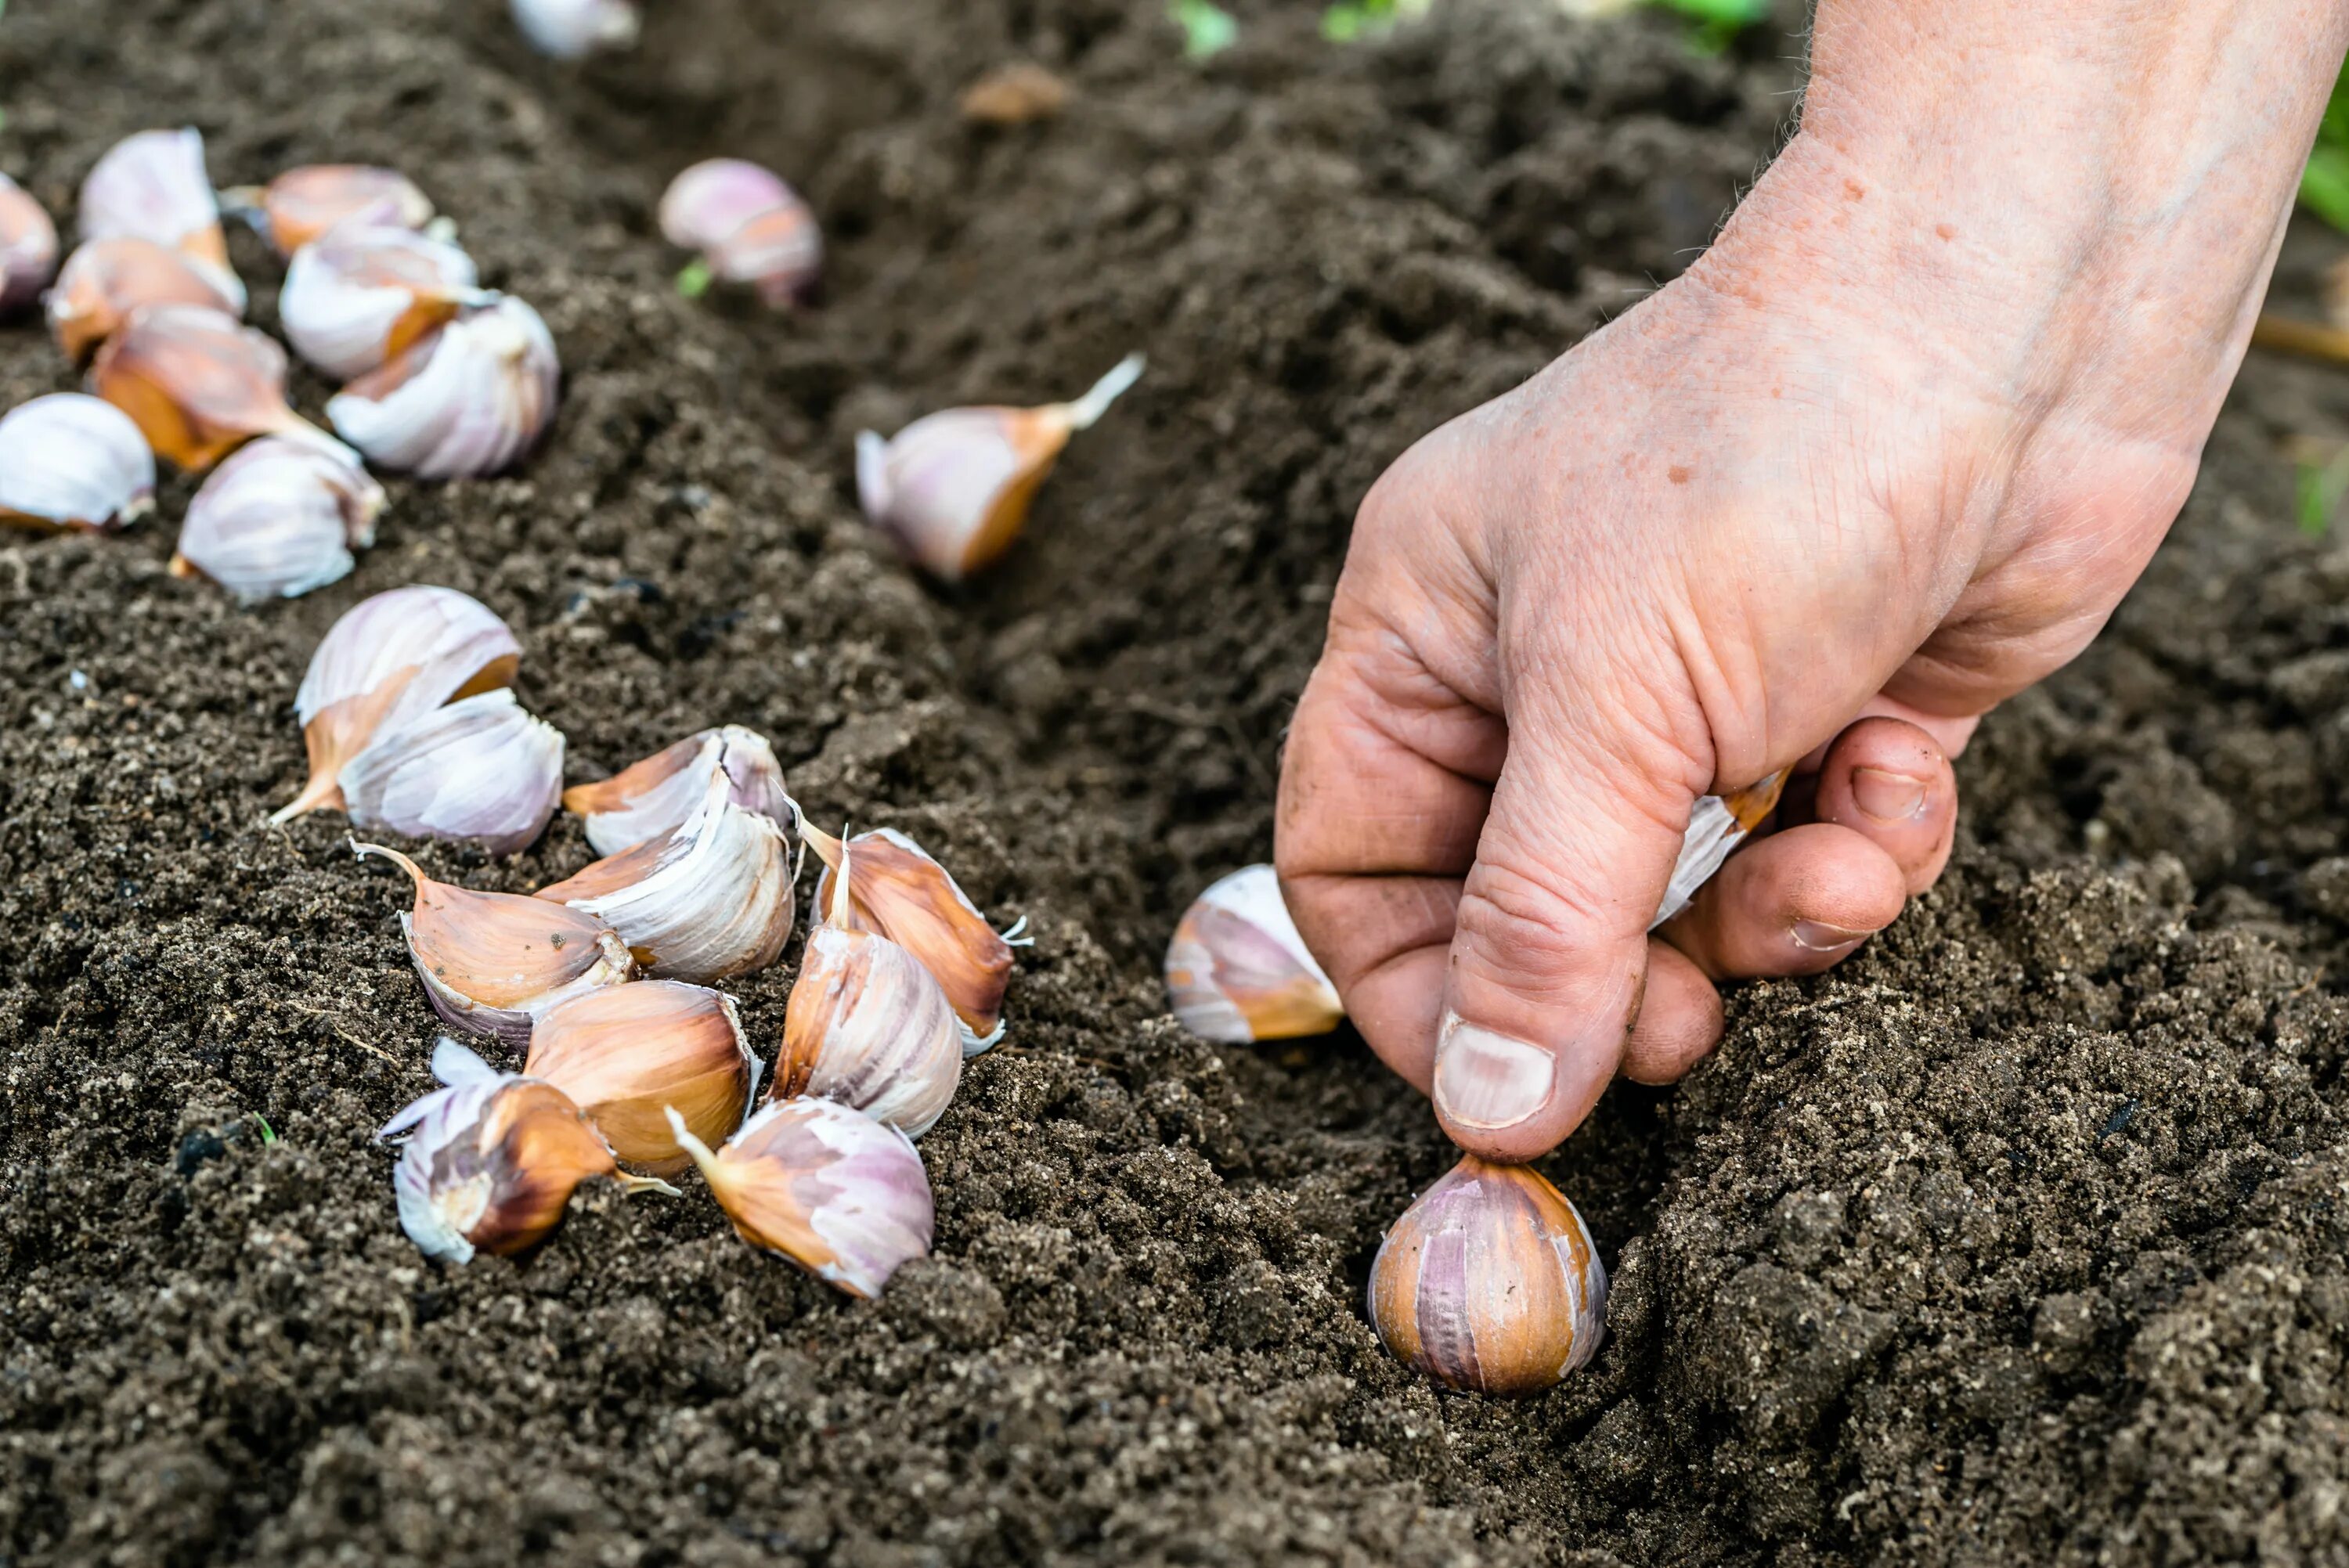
469 400
366 293
747 226
302 205
104 280
278 519
28 247
152 186
69 461
652 799
900 891
625 1054
481 768
1237 971
574 29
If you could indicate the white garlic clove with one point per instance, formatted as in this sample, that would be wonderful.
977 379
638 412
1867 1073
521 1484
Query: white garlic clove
711 899
28 247
365 295
1490 1282
652 799
199 383
834 1191
908 897
747 226
104 280
304 204
152 186
628 1053
479 768
1717 825
469 400
67 461
952 489
1237 971
494 962
390 659
278 519
574 29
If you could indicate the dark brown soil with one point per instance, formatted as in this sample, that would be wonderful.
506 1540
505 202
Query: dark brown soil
2019 1239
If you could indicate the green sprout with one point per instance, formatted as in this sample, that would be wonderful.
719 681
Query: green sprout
268 1133
694 280
2324 184
1713 24
1207 28
1351 19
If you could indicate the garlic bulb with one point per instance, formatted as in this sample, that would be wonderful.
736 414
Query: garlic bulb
909 898
469 400
387 661
953 489
302 205
835 1192
481 768
868 1025
1490 1282
276 520
363 294
747 226
490 1160
72 461
104 280
1236 970
1718 824
199 383
652 799
573 29
713 899
494 962
626 1052
28 247
152 186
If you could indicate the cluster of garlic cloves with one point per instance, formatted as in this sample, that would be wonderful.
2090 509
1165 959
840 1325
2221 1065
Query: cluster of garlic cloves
28 247
747 227
278 519
70 461
900 891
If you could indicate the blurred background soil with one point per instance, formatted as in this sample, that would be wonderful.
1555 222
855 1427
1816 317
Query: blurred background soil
2019 1238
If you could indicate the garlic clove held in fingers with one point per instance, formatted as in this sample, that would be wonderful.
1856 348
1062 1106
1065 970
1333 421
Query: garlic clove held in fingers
469 400
652 799
906 896
67 461
304 204
829 1188
276 520
28 247
199 383
106 280
365 295
574 29
952 489
152 186
1237 971
628 1053
493 963
747 226
1490 1282
489 1160
481 768
866 1025
1717 826
390 659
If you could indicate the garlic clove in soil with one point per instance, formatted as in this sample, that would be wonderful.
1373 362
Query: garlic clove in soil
366 293
652 799
390 659
67 461
1717 825
711 899
104 280
1490 1282
626 1052
574 29
469 400
302 205
276 520
199 383
747 227
481 768
866 1025
1237 971
152 186
28 247
906 896
829 1188
493 963
491 1160
952 489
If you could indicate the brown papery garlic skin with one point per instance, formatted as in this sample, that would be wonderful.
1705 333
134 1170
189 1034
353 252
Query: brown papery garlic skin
628 1053
106 280
493 963
1237 971
909 898
303 205
28 247
200 385
1717 825
652 799
1490 1282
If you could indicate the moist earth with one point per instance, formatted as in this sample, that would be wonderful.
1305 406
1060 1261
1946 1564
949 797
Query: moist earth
2018 1238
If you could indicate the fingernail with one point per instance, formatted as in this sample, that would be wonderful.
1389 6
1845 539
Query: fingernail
1818 937
1489 1080
1888 797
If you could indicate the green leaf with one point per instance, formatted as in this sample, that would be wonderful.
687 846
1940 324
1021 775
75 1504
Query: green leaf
694 280
268 1133
2324 186
1207 28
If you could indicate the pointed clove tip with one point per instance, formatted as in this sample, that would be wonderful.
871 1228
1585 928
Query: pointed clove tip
702 1157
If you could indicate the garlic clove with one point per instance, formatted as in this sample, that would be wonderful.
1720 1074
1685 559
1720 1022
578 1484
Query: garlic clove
1717 825
199 383
276 520
829 1188
366 293
866 1025
711 899
302 205
28 247
67 461
952 489
152 186
626 1052
909 898
390 659
573 29
104 280
493 963
1237 971
477 768
489 1160
1490 1282
747 226
469 400
652 799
